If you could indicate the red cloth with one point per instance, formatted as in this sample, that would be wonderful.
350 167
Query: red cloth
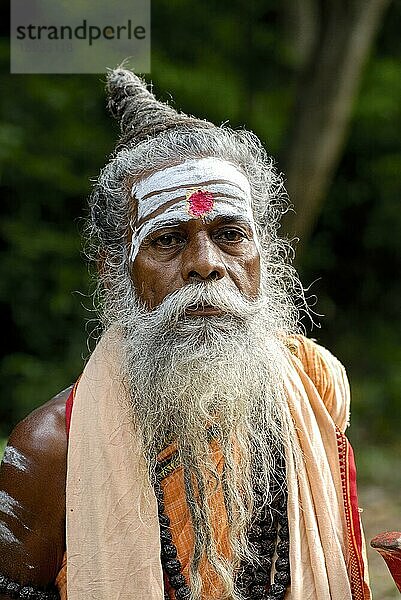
348 478
68 411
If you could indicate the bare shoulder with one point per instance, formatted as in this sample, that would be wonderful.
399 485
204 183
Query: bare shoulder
32 495
43 430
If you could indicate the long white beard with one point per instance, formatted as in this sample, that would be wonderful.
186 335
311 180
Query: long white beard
187 373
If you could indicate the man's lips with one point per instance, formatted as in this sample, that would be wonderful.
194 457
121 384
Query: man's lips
203 311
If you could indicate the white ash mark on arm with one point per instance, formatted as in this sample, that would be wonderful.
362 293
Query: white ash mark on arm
11 507
8 505
15 458
7 536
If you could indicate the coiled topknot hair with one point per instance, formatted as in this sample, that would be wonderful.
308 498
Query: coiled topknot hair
139 113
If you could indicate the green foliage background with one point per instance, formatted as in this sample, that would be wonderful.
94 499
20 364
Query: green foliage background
54 137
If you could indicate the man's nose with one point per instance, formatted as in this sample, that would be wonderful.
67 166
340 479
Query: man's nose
202 260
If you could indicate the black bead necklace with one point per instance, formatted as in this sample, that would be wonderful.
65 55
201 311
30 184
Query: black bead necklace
25 592
269 534
170 562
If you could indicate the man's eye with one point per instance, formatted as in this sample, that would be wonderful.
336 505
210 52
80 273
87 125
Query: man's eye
168 240
231 235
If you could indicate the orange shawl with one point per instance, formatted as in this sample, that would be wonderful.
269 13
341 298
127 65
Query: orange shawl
113 541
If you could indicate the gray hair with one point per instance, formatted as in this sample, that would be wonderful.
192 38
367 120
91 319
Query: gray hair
155 136
171 374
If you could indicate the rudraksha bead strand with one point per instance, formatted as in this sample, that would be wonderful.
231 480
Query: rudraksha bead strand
282 576
18 591
168 554
268 534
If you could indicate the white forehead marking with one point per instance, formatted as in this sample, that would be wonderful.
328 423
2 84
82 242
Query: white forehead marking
190 173
230 187
14 458
223 191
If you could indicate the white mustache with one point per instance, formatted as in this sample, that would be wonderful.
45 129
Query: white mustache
227 298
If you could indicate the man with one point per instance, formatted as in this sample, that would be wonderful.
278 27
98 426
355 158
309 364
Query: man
206 448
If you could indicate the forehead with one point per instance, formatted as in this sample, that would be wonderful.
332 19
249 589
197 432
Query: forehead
205 188
197 171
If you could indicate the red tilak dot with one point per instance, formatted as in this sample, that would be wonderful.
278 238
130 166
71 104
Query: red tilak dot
200 203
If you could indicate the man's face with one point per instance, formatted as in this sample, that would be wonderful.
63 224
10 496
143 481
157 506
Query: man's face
196 251
180 248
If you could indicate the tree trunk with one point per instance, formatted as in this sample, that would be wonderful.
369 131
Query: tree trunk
301 21
326 90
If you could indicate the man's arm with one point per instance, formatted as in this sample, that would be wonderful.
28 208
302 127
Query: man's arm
32 497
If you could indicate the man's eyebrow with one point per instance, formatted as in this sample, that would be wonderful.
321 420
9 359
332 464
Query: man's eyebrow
233 219
167 224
